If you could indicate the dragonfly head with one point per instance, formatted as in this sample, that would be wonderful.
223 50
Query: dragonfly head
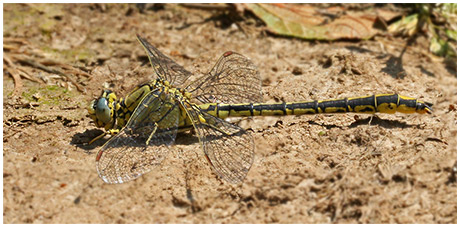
102 110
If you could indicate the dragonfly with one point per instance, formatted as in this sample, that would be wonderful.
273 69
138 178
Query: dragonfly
143 125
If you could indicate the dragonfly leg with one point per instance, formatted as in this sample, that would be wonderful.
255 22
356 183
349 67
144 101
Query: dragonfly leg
151 134
217 129
110 132
97 137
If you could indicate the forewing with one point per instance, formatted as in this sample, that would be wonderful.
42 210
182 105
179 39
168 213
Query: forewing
164 67
142 144
228 148
233 79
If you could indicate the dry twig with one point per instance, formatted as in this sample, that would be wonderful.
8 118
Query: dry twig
55 71
14 73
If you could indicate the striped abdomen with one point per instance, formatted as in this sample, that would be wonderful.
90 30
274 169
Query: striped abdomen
383 103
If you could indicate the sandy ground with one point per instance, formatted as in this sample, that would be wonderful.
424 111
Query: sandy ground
347 168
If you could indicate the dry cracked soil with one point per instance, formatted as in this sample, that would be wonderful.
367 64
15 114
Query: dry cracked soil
342 168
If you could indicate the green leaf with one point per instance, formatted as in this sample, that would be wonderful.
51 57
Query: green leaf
452 34
437 46
407 25
304 21
442 48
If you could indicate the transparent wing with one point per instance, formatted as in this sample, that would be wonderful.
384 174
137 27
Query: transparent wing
233 79
164 67
143 143
228 148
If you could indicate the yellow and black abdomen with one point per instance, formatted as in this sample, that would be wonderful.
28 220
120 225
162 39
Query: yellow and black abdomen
383 103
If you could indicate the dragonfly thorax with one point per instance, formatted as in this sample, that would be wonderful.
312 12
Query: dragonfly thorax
108 112
177 92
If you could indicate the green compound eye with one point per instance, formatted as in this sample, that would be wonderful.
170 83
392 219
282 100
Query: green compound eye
102 110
